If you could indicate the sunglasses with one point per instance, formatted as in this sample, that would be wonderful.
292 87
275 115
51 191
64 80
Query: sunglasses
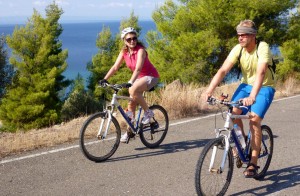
131 39
243 35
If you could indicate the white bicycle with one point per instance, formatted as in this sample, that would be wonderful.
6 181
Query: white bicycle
215 165
100 134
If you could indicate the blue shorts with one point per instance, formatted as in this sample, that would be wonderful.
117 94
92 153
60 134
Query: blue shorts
263 99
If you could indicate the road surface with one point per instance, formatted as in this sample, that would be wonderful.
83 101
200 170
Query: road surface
167 170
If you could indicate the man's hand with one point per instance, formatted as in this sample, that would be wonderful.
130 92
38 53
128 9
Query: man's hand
103 82
248 101
207 96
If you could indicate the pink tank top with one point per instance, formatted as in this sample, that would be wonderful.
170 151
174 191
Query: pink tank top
147 70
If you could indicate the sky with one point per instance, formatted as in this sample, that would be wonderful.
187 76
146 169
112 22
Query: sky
18 11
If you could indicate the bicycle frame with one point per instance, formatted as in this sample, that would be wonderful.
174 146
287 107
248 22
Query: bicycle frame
103 129
228 127
115 104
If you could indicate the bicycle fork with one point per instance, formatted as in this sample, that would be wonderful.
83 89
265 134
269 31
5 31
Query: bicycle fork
219 170
107 117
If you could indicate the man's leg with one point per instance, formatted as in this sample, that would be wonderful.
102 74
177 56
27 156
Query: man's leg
256 137
239 122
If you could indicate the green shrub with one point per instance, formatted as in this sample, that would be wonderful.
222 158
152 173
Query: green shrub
78 104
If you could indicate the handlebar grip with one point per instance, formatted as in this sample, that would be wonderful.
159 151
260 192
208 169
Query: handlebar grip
240 102
104 84
211 100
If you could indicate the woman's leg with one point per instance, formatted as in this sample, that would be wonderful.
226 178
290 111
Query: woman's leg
136 92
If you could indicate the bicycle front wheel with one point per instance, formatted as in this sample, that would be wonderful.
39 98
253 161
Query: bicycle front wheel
266 152
153 134
97 144
210 179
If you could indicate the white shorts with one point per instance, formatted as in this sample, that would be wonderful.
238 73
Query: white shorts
150 81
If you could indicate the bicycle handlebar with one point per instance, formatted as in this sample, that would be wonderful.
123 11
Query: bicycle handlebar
213 101
116 87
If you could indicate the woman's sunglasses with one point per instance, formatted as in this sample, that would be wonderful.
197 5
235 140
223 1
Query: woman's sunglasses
131 39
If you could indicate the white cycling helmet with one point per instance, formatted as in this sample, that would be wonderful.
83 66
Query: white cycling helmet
127 30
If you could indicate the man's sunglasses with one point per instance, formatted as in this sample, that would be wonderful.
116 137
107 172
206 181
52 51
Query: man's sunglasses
243 35
131 39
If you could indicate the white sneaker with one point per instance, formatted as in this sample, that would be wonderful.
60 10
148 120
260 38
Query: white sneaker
147 116
124 138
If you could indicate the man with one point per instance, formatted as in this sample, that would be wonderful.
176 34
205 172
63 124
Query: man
257 84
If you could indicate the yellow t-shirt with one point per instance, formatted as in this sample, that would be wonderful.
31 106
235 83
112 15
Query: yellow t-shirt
249 61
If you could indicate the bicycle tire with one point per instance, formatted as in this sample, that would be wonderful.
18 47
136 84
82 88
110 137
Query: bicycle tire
213 182
95 148
153 134
266 152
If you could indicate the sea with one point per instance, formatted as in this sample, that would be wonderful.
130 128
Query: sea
80 40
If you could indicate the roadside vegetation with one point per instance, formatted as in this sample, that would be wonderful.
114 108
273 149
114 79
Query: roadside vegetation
179 100
39 107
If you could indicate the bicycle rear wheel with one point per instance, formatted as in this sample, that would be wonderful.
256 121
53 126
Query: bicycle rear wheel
213 181
153 134
99 148
266 152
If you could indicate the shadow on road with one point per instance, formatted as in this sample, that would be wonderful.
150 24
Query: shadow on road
282 179
164 149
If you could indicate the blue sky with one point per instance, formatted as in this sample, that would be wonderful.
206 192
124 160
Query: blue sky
17 11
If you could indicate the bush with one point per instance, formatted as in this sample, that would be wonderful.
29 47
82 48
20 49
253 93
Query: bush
78 104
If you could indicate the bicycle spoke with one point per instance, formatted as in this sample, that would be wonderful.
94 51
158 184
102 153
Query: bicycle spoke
97 148
153 134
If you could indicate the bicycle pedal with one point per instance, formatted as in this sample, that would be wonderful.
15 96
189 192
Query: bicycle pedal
239 162
130 134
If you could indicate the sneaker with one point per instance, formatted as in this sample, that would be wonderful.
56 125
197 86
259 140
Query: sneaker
147 116
124 138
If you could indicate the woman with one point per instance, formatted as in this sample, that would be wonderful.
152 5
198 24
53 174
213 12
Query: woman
144 74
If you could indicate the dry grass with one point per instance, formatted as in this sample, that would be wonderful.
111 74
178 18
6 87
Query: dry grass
12 143
288 88
179 100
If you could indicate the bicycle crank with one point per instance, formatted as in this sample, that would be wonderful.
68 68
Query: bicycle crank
239 162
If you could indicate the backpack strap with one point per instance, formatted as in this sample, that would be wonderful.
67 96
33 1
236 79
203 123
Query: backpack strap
271 67
239 64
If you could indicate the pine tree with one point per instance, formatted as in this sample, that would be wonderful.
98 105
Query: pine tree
290 49
194 37
32 101
6 70
80 102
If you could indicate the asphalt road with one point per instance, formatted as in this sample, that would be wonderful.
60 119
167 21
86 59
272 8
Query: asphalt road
167 170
